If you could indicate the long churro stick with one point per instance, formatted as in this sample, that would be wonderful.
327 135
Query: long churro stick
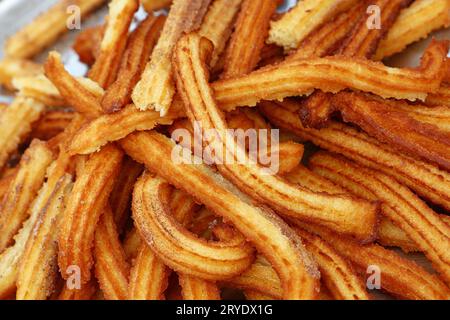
156 88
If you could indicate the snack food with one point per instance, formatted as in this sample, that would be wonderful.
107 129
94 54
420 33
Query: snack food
425 179
252 26
140 45
46 28
413 24
156 88
249 177
400 206
184 196
300 77
295 25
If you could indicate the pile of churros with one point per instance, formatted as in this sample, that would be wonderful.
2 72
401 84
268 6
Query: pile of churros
132 182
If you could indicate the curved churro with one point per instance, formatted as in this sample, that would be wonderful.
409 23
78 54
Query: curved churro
283 248
104 70
87 200
22 190
140 45
156 89
209 261
333 74
84 96
39 266
425 179
111 267
272 190
115 126
198 289
399 205
252 26
149 276
399 276
414 23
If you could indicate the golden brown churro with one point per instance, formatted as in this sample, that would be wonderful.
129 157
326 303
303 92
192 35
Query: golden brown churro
87 44
300 77
252 26
156 88
111 267
46 28
425 179
140 45
395 127
87 200
299 22
218 25
249 177
22 190
15 124
153 5
296 270
414 23
400 277
399 205
104 71
38 273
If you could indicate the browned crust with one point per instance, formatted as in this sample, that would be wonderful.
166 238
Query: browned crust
332 74
87 44
22 190
421 224
395 127
111 267
252 26
106 66
87 200
140 45
283 248
178 248
425 179
271 190
399 276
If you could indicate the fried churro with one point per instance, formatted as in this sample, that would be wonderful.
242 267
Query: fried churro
153 5
22 190
333 74
399 205
47 28
87 200
106 66
425 179
140 45
300 21
156 89
11 68
414 23
252 26
38 272
111 267
249 177
296 270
